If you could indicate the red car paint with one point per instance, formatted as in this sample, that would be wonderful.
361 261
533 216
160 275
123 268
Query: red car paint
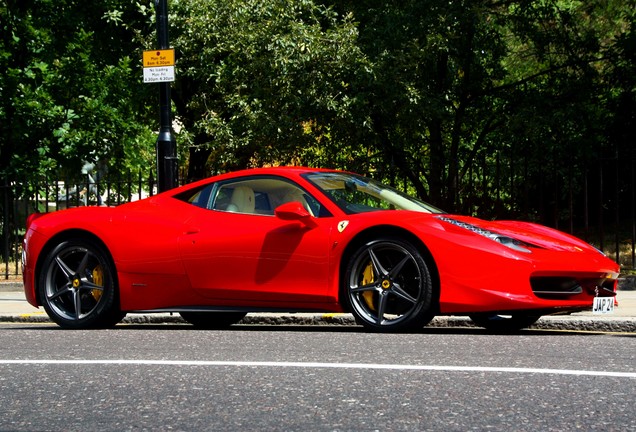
169 253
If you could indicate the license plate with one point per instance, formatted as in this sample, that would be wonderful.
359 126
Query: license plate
603 305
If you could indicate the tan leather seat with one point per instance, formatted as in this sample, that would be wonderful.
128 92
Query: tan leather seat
242 200
297 196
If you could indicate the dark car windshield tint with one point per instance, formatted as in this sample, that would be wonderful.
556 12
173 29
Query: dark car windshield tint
357 194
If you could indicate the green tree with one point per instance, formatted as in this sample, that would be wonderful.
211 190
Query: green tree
464 92
262 81
71 87
467 103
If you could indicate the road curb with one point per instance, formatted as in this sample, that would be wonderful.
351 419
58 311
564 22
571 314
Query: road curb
547 323
13 292
625 283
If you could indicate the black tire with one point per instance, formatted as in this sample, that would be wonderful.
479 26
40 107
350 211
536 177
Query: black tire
504 323
78 285
212 320
388 287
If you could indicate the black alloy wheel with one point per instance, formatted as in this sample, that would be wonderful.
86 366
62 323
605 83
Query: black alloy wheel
388 286
78 286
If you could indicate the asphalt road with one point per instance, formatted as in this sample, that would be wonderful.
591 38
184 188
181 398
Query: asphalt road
171 377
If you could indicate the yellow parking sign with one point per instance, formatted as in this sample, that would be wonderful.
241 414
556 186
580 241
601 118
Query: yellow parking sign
159 58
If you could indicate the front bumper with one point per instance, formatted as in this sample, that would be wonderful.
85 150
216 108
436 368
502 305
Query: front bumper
546 281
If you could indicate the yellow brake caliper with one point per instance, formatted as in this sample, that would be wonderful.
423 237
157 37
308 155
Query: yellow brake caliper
98 279
367 278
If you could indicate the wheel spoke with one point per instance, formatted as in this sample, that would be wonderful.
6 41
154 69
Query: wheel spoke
382 308
398 268
377 266
398 291
65 269
90 286
64 290
373 286
83 263
77 301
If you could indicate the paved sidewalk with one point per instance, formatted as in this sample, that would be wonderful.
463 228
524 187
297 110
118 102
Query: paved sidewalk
14 308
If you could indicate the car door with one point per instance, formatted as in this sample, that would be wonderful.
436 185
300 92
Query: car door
238 251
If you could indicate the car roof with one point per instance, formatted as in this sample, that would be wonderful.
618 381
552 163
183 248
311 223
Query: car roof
279 170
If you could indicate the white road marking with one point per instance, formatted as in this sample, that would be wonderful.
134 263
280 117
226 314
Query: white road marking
313 365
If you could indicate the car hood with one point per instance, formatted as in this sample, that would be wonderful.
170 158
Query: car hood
527 232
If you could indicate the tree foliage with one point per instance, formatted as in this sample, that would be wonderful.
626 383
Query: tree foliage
260 82
69 87
472 105
458 83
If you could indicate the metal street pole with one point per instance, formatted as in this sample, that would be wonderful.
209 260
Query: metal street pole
166 143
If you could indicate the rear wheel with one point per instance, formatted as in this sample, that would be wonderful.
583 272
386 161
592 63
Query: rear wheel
212 320
388 286
78 286
504 323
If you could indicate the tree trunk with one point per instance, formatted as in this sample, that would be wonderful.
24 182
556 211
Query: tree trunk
197 167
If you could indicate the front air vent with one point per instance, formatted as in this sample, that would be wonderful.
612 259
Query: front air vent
555 287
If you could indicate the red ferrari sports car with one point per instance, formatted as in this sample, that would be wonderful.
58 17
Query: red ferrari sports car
300 239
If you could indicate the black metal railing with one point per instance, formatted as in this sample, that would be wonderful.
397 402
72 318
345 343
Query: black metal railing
597 206
19 198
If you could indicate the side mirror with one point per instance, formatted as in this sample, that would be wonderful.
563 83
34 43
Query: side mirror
292 211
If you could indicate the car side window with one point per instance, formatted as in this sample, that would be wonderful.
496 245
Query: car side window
199 197
261 196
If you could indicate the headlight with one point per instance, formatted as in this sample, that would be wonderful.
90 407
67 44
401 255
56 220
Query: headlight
510 242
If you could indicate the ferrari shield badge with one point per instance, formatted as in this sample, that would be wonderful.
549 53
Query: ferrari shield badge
342 225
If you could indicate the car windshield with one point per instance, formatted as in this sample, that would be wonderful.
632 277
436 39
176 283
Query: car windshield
357 194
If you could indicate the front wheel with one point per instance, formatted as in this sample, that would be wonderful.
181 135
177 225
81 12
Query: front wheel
504 323
78 286
388 286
